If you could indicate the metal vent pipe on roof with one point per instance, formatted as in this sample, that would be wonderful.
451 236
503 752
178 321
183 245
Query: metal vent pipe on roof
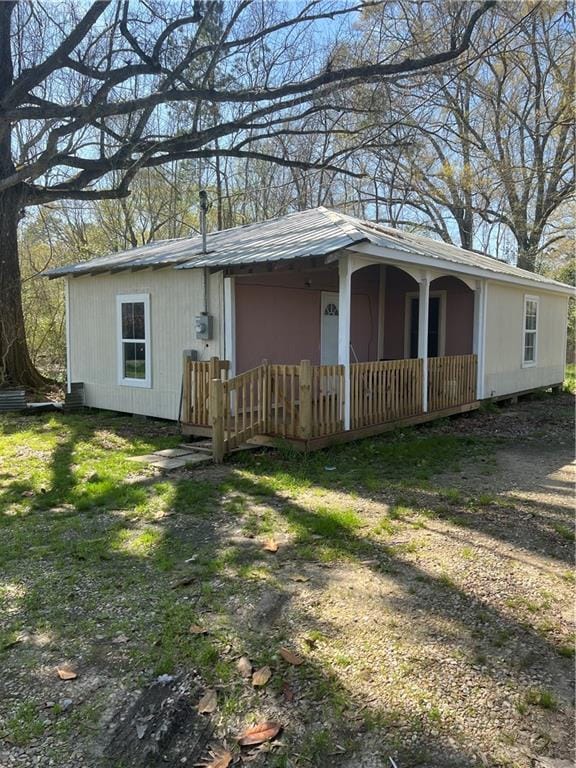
204 206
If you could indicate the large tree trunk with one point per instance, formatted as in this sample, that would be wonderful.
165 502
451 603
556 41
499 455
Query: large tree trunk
15 364
16 367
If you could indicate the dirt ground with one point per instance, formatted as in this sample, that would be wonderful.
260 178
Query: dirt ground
434 619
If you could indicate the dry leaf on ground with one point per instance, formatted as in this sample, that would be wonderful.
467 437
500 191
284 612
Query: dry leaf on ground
287 692
261 676
222 759
65 672
260 733
185 581
291 657
299 577
270 545
208 703
244 666
196 629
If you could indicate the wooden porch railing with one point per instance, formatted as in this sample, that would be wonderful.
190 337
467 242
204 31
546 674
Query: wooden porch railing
305 401
284 400
327 400
196 388
242 408
385 391
451 381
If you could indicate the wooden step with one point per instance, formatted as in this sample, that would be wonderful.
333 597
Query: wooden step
205 447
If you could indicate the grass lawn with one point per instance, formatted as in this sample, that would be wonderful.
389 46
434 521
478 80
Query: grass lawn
423 577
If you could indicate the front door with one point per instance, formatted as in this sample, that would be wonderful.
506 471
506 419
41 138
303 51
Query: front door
329 329
433 326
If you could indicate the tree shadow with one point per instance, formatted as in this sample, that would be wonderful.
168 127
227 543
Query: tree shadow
119 558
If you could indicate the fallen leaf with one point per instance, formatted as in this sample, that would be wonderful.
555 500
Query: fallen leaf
196 629
299 577
183 582
291 657
244 666
260 733
65 672
271 545
261 676
12 643
221 758
287 692
208 703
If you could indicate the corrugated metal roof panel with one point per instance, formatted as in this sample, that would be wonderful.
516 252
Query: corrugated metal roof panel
437 249
297 235
315 232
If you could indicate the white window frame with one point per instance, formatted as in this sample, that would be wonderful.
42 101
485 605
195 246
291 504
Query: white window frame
131 298
441 321
535 300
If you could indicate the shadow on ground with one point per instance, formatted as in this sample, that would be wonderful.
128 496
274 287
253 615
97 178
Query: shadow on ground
110 571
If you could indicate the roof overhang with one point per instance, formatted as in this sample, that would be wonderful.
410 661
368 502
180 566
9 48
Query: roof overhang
404 257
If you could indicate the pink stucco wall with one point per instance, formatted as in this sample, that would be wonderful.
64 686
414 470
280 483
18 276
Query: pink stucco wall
398 284
459 315
278 314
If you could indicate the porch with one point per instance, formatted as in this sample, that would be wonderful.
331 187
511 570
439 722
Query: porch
328 349
305 404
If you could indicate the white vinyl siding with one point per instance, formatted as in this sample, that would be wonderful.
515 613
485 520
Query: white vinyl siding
505 338
176 297
530 335
133 324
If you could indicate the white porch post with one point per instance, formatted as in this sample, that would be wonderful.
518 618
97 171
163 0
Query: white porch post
479 344
381 310
230 323
423 310
344 293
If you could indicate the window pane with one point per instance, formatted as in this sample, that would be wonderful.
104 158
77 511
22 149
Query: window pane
133 320
134 360
531 315
139 330
127 321
529 347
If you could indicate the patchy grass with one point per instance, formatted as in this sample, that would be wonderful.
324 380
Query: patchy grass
564 531
380 582
539 697
24 725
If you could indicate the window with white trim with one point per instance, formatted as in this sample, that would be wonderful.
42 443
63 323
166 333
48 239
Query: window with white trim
530 337
133 323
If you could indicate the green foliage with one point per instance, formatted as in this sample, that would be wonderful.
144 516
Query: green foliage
539 697
570 379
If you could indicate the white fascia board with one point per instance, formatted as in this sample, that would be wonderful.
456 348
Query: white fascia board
432 262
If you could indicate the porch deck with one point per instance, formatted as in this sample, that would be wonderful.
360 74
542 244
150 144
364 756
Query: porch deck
306 404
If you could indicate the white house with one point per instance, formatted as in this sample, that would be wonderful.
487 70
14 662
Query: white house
317 286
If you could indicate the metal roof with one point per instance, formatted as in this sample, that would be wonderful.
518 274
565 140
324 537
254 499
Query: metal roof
315 232
308 233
